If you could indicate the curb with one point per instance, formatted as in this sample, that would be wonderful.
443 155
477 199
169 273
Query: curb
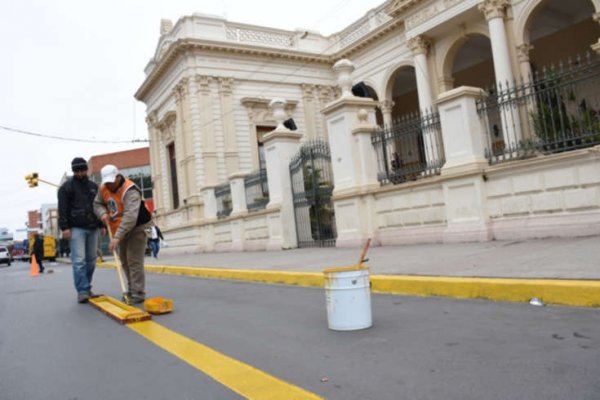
580 293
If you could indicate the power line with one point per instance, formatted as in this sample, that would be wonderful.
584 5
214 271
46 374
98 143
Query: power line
47 136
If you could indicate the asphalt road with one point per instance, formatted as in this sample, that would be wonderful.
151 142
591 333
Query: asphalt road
419 348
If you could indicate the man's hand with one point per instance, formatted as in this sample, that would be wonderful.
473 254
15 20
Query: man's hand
103 231
66 234
113 244
105 219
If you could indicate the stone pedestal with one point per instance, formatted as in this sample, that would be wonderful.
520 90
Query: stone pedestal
350 125
463 133
280 145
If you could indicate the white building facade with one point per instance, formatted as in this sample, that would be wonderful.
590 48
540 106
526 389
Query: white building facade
424 121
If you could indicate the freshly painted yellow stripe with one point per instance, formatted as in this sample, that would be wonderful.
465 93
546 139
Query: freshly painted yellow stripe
243 379
551 291
583 293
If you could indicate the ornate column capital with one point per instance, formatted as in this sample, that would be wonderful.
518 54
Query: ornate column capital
419 44
493 8
181 89
203 82
152 119
386 106
523 51
225 85
308 91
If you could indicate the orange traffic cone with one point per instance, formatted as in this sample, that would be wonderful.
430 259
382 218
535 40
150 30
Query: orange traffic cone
34 270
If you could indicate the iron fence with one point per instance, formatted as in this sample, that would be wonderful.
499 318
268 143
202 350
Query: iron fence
410 149
257 190
312 187
557 109
223 196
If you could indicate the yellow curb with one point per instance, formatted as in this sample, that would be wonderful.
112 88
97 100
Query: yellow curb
583 293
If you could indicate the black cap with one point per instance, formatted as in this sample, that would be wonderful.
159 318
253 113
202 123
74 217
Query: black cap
79 164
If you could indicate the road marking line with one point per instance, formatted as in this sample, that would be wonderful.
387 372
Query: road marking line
243 379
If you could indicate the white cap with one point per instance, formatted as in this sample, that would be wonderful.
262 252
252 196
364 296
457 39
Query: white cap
109 173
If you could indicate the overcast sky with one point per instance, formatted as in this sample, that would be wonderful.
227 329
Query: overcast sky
70 68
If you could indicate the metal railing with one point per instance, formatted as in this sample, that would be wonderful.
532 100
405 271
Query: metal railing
410 149
257 190
224 203
557 109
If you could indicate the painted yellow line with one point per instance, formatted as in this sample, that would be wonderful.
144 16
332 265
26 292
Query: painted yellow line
582 293
243 379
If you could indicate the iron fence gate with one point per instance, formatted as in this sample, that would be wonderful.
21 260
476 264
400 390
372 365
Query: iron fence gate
312 185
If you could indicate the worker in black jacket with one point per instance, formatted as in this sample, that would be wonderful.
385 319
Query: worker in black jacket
79 225
38 250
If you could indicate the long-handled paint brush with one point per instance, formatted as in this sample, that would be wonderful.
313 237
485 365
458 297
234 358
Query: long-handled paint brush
119 270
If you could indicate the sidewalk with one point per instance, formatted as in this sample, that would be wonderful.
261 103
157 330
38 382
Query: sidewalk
555 270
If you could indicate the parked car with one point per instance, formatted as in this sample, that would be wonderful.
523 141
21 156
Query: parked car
5 256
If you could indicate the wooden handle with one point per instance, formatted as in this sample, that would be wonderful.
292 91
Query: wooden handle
364 251
118 264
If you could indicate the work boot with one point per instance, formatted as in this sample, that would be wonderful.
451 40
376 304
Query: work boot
83 297
93 295
136 300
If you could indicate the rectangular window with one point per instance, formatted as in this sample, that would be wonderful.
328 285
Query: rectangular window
173 171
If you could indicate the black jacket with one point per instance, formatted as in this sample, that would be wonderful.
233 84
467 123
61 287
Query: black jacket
75 205
38 248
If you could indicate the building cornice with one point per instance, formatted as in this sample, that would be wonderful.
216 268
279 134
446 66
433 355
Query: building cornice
398 7
183 46
371 37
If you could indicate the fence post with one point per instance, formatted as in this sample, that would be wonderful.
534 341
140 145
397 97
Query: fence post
210 215
280 146
464 190
350 124
238 193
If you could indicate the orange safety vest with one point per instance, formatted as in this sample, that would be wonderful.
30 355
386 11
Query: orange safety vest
114 204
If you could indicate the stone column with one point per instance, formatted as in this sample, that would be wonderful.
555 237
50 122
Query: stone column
155 162
464 189
310 111
229 134
419 46
185 136
387 106
526 75
350 124
494 11
208 145
280 146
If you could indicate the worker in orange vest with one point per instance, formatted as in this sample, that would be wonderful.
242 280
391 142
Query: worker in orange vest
120 205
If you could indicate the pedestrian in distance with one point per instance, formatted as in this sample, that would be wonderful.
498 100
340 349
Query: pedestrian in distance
120 205
38 250
154 239
79 226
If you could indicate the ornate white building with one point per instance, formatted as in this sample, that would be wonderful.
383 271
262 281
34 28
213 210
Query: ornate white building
423 121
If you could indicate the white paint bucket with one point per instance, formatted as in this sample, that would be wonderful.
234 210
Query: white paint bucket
348 297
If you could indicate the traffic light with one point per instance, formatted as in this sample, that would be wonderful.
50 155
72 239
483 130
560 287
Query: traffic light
32 179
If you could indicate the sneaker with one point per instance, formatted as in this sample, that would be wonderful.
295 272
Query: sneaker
93 295
83 298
